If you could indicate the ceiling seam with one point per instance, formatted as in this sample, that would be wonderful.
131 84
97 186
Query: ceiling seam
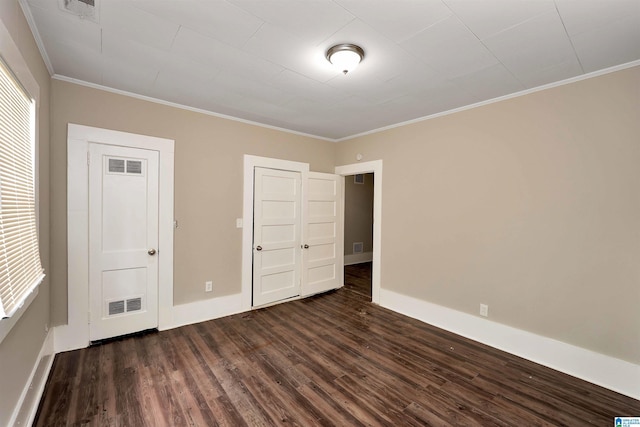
573 48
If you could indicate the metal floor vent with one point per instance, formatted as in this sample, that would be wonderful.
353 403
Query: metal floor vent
125 306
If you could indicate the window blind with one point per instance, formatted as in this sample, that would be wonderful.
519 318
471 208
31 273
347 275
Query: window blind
20 266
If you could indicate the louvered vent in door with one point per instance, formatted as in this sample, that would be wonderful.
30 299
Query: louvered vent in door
124 306
116 165
134 167
116 307
134 304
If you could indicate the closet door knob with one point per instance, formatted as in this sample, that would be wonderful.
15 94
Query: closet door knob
306 246
151 252
258 248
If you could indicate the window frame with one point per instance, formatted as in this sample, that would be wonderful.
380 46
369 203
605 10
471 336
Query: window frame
16 63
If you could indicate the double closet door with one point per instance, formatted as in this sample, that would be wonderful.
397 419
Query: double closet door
297 234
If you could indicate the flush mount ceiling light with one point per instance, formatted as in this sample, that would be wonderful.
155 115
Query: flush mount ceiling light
345 56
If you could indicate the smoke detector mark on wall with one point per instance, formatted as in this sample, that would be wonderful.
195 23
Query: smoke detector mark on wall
85 9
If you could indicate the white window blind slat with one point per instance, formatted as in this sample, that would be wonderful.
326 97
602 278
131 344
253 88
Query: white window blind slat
20 266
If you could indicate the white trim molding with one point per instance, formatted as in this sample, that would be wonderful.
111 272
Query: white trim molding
606 371
27 407
204 310
75 334
374 167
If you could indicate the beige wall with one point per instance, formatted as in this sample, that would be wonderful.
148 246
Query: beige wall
358 213
20 349
530 205
208 181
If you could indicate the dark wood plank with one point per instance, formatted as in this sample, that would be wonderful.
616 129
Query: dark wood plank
332 359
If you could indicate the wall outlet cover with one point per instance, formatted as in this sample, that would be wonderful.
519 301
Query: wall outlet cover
484 310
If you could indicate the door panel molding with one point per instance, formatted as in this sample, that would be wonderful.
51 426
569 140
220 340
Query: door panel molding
75 334
277 235
250 163
323 256
121 266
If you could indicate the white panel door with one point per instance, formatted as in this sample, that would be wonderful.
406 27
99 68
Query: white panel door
123 240
322 267
276 235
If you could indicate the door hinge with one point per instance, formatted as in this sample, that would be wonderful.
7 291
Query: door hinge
88 158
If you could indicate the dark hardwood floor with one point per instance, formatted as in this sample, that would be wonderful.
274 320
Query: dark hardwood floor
332 359
357 278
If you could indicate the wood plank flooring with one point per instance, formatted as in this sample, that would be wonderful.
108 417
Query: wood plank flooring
333 359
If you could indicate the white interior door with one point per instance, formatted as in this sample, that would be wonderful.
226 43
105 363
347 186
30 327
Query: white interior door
276 235
123 240
322 267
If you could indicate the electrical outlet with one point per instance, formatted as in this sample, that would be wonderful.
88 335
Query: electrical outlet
208 286
484 310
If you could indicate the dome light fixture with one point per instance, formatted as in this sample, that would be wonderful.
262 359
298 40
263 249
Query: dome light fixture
345 56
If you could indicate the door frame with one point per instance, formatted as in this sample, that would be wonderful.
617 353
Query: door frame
75 334
374 167
251 162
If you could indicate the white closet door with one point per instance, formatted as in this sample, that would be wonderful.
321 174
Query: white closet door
123 240
323 263
277 235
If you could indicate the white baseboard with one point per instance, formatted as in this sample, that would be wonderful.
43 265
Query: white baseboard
201 311
25 411
606 371
358 258
70 337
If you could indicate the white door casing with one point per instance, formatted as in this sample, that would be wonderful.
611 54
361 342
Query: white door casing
318 261
322 255
75 334
277 235
375 167
123 240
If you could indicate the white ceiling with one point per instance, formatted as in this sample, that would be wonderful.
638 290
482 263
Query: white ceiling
263 60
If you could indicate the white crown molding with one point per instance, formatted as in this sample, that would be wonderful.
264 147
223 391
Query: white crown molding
26 10
184 107
346 138
498 99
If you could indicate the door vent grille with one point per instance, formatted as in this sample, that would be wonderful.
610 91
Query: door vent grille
116 307
134 166
134 304
120 166
116 165
124 306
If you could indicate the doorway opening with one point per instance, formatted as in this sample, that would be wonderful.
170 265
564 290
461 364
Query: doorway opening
358 232
374 167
